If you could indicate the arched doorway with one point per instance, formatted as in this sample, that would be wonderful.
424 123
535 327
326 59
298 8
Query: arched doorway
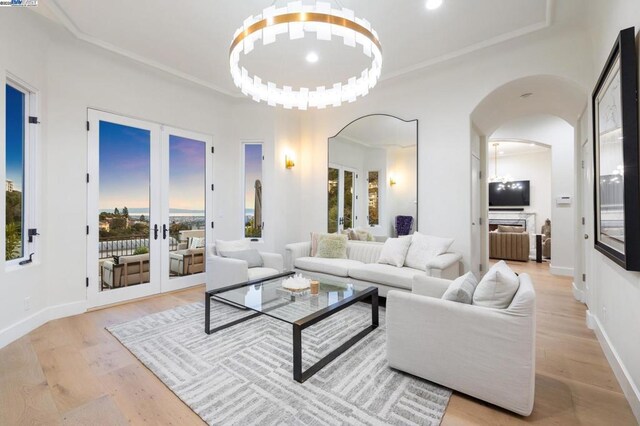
516 110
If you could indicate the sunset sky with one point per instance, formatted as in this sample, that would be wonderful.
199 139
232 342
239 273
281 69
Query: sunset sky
14 135
125 169
253 171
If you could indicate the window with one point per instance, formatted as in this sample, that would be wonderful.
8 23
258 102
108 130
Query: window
374 196
253 221
18 147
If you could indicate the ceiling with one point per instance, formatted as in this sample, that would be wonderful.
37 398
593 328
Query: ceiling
511 147
191 38
381 131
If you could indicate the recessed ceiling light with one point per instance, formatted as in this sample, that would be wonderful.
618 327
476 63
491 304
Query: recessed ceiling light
526 95
433 4
501 152
312 57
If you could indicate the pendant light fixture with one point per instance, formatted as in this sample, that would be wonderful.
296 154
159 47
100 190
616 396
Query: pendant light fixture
296 20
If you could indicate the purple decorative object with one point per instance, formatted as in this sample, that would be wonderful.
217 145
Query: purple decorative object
403 225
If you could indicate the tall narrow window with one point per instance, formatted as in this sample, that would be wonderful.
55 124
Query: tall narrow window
333 207
253 220
374 196
17 188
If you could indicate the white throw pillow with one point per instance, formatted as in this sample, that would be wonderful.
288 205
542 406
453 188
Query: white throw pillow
235 245
497 288
461 289
394 251
197 242
423 248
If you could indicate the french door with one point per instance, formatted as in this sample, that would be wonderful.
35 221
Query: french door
148 207
342 184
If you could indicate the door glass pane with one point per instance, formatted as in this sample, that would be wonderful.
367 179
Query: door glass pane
373 198
253 190
349 195
187 181
124 204
334 175
14 182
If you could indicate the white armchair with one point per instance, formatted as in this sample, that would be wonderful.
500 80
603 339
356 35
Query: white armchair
486 353
225 271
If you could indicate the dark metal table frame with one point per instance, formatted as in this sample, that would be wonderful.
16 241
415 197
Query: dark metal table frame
298 326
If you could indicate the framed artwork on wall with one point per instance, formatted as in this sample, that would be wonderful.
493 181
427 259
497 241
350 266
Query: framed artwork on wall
615 142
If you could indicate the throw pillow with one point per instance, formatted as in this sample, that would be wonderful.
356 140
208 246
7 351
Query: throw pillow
423 248
364 235
461 289
497 287
196 242
394 251
235 245
314 243
251 256
332 246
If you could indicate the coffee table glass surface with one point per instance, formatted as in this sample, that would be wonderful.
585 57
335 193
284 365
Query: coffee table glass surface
269 298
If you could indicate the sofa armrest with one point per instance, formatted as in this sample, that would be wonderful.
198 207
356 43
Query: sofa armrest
424 285
294 251
273 261
482 352
446 266
225 271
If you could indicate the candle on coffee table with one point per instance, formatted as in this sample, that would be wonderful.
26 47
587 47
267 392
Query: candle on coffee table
315 287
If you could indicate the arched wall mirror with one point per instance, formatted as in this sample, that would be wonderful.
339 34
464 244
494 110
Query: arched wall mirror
373 177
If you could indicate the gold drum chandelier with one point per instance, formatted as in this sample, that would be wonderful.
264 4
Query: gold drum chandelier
297 21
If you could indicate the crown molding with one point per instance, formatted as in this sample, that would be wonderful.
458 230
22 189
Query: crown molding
68 23
64 19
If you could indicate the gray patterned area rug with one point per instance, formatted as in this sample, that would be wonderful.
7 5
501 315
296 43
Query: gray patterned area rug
242 375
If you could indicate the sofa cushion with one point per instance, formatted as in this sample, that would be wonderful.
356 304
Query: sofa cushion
385 274
338 267
332 246
258 273
511 229
461 289
394 251
232 245
423 248
251 256
497 287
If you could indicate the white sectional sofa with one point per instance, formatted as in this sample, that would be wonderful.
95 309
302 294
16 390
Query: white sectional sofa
484 352
361 266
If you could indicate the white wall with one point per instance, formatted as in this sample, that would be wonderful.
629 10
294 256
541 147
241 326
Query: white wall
442 99
536 168
558 134
401 199
72 76
613 294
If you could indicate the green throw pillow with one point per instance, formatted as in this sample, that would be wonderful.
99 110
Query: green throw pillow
332 246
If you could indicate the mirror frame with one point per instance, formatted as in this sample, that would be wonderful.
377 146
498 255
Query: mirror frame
417 156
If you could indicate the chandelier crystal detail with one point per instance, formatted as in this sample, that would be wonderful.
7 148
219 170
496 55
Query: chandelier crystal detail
299 21
499 179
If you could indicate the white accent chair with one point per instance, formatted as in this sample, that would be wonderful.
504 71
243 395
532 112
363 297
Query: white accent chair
225 271
483 352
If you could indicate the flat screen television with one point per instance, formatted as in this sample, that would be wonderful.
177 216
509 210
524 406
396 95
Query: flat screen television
514 193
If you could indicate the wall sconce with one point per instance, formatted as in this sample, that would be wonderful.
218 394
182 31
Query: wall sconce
288 162
392 181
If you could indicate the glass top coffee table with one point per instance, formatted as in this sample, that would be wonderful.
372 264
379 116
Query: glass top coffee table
266 297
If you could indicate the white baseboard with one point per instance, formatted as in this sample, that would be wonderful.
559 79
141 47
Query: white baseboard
30 323
578 293
629 387
591 321
561 270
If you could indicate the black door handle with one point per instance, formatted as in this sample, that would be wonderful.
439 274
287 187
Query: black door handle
164 231
155 231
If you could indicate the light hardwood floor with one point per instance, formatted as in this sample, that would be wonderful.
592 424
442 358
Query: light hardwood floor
73 372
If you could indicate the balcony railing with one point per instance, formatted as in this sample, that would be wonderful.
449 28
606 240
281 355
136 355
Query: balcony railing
123 246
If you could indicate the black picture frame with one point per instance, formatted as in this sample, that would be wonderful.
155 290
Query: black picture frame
616 189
